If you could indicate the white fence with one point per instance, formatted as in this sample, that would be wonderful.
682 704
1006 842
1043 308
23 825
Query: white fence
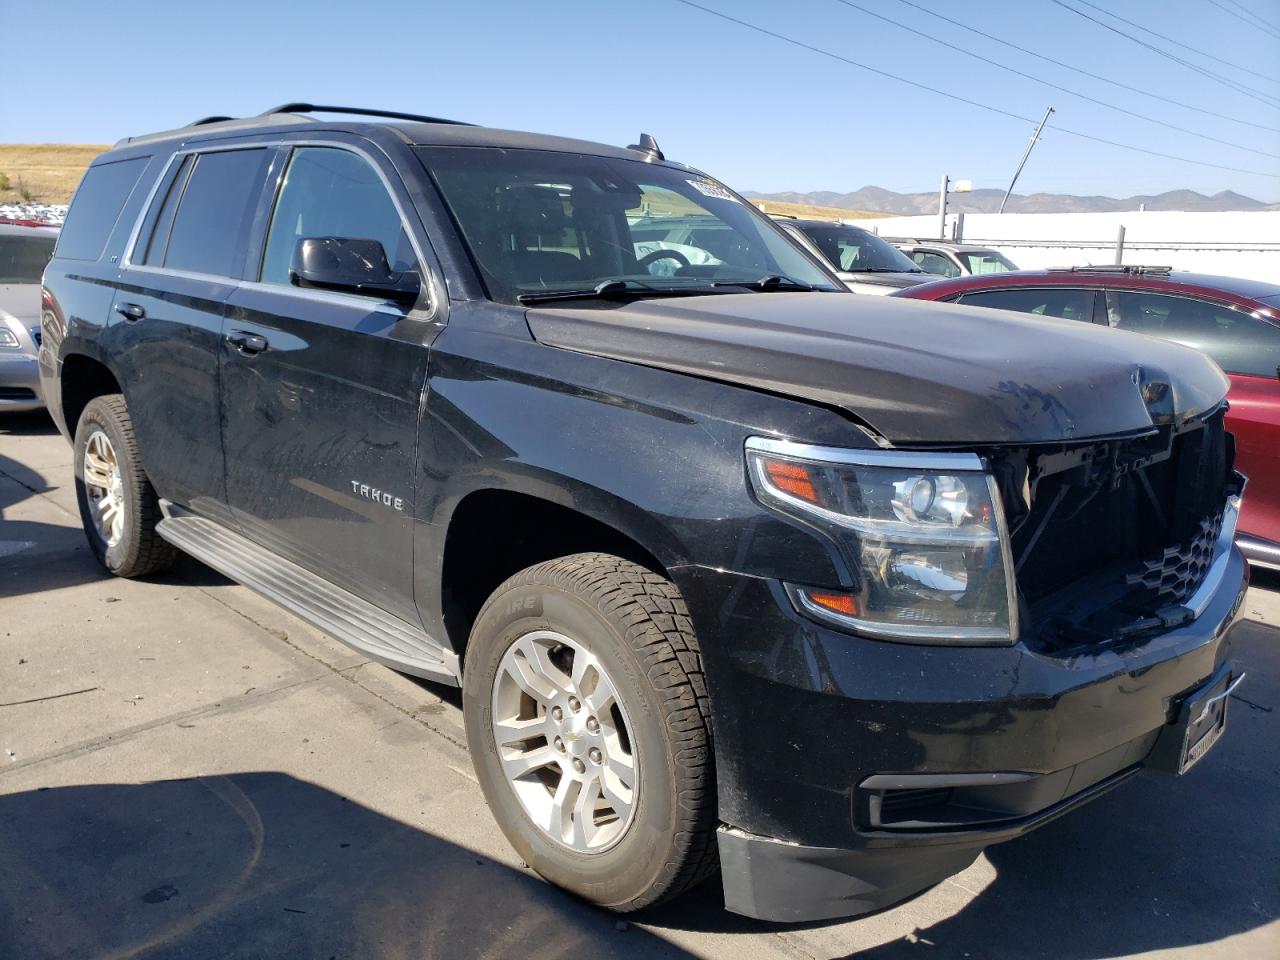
1228 244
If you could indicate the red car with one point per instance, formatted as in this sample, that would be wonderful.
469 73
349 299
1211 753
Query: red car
1236 322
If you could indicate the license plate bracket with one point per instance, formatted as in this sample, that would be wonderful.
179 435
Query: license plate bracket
1202 719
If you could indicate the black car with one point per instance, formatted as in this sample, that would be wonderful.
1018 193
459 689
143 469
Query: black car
731 566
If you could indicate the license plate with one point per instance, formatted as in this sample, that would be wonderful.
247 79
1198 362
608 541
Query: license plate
1203 719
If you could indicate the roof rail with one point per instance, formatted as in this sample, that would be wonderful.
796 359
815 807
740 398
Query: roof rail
1134 270
203 120
358 111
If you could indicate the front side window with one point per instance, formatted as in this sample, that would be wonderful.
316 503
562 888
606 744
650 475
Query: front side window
1239 342
539 221
330 192
205 218
854 250
1062 302
986 261
935 263
23 258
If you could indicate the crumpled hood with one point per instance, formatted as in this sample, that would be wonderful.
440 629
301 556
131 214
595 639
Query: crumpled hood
915 372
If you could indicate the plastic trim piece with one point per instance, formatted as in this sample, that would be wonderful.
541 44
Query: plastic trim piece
356 622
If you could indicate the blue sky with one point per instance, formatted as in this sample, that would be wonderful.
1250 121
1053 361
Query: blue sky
756 112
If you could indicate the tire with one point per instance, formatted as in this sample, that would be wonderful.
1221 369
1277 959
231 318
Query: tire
632 629
127 543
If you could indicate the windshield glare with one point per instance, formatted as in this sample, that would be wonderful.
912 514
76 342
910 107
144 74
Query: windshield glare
851 249
539 221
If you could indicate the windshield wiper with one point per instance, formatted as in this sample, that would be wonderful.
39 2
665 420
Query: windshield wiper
615 289
881 270
773 281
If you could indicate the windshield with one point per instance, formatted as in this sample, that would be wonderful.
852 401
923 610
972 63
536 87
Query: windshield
986 261
538 222
23 259
852 249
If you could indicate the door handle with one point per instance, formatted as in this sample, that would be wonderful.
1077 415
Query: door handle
130 311
247 343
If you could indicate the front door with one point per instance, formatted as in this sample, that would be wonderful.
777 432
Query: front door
322 390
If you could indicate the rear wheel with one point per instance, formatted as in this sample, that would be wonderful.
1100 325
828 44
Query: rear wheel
587 721
118 507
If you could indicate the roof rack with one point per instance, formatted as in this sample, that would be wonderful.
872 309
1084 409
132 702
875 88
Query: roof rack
1134 270
358 111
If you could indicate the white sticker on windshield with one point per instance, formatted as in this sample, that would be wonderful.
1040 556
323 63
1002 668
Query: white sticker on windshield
709 188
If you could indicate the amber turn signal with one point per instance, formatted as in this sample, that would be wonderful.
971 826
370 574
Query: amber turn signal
792 478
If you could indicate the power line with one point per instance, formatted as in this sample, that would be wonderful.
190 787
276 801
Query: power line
1086 73
973 103
1176 43
1055 86
1241 6
1254 21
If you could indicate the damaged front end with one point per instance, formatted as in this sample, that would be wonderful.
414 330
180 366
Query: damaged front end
1114 539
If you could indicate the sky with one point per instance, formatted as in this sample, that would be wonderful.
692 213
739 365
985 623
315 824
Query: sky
757 112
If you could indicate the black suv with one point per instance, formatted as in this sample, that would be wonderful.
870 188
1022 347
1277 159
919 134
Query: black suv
732 566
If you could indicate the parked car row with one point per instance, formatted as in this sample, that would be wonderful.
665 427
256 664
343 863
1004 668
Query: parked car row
733 568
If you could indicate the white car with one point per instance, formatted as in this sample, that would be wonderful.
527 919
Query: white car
866 263
24 252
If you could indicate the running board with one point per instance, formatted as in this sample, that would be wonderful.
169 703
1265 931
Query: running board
338 612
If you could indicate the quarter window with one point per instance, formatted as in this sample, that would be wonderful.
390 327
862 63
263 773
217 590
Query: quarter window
96 207
1062 302
1240 342
330 192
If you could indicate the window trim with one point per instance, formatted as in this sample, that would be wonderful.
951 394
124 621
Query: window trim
435 289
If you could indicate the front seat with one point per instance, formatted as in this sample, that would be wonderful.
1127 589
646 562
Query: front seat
537 219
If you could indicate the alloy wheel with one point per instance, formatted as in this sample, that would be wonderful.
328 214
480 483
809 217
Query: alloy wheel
104 487
565 742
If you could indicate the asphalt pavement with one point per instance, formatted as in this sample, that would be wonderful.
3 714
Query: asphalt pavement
188 771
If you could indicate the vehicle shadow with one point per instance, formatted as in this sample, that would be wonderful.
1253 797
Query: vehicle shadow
266 865
1159 863
36 423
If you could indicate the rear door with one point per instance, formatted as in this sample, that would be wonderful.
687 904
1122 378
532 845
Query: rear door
322 390
1247 347
167 317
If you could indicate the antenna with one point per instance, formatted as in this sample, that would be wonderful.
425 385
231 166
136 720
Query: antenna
648 145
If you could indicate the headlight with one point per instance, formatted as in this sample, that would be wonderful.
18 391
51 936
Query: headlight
7 338
923 532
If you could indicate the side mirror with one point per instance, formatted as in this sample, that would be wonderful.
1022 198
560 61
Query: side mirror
350 265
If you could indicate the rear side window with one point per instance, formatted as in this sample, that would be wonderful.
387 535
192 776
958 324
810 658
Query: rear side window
935 263
1239 342
207 217
97 206
1062 302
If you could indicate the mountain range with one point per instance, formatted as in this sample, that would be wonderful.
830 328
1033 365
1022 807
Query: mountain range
879 200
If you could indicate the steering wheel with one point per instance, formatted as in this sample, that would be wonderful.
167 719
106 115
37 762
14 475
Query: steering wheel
649 258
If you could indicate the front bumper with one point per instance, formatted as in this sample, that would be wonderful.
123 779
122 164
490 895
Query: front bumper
813 725
19 383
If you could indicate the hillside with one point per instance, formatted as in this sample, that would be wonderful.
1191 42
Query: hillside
988 201
48 172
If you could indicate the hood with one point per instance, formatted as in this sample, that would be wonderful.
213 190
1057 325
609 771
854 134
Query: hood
21 301
915 372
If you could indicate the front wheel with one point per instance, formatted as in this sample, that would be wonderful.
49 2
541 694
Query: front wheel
118 507
588 725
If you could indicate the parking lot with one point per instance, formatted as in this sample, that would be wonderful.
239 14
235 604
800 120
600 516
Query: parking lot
188 771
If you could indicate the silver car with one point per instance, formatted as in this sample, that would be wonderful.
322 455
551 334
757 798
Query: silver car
862 260
24 251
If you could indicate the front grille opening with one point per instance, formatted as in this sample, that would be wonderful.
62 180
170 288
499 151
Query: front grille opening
16 393
1118 534
899 806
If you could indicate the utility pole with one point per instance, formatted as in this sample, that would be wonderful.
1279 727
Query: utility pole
942 207
1023 162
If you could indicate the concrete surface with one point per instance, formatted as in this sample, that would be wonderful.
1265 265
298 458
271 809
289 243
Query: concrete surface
187 771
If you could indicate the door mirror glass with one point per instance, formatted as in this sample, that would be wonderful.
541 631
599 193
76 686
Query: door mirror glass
350 265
